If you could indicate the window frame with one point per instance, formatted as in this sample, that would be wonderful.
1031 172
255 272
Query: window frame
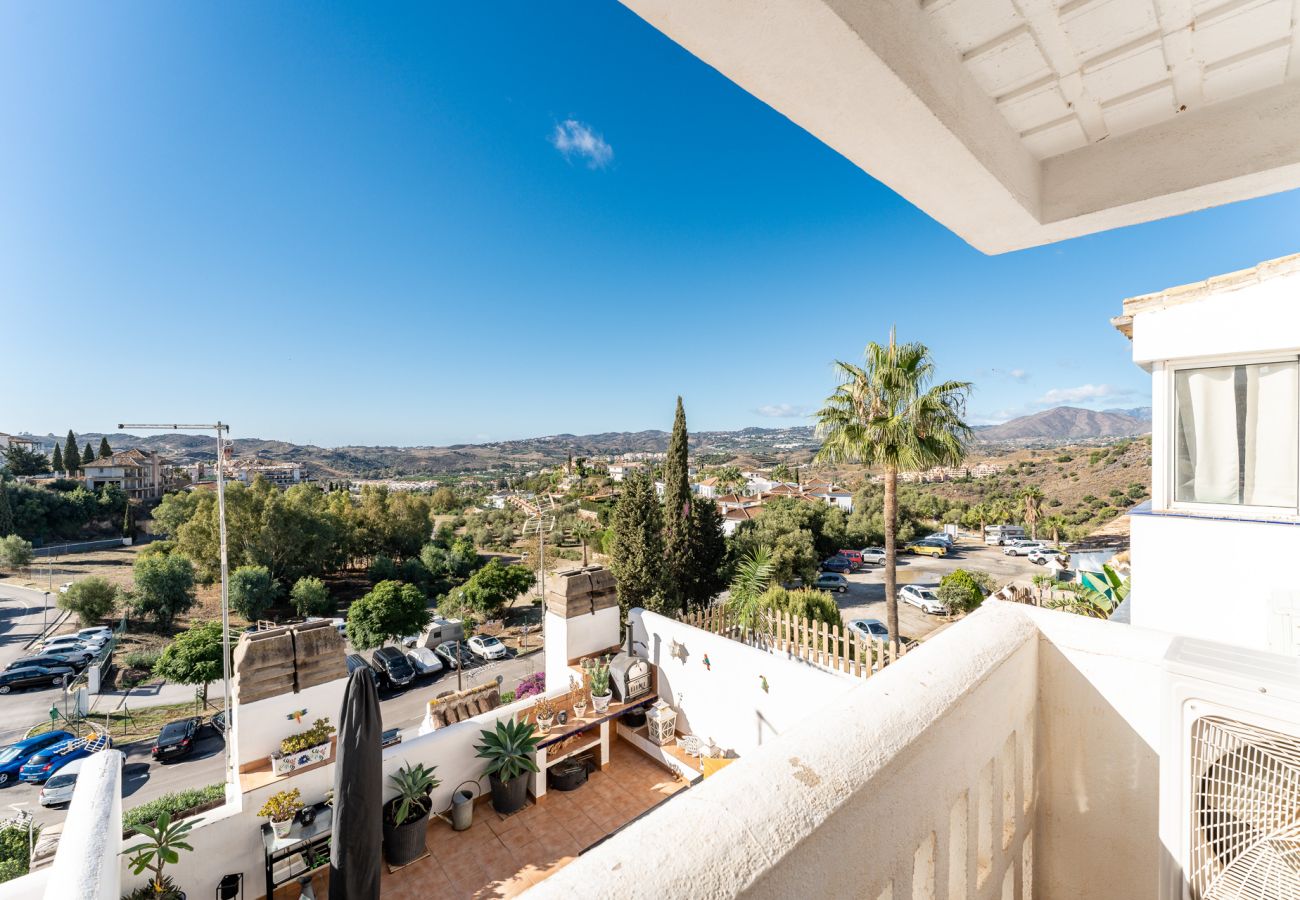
1169 432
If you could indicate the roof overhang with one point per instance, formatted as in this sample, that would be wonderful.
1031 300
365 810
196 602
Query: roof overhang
1022 124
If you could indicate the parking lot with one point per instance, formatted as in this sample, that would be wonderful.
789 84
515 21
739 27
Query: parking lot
865 598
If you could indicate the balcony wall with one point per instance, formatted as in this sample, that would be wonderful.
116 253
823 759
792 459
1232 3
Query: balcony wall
1009 756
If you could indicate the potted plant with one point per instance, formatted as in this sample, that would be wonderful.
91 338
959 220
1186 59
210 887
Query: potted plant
598 679
406 815
163 841
280 808
304 749
544 710
509 751
577 697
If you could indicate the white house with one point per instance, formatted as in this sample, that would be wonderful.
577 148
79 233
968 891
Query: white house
620 470
139 473
706 487
1224 516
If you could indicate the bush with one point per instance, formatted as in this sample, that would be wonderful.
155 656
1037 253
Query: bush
141 659
960 591
311 598
253 591
15 851
92 599
174 804
804 603
15 552
531 685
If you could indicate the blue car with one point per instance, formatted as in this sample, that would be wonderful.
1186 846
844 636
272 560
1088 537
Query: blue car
46 762
839 564
13 757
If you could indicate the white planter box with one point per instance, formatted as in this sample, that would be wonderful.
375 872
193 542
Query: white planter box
309 757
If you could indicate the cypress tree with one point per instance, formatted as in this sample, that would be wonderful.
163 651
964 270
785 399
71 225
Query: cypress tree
71 455
105 451
705 572
637 551
6 514
57 465
677 511
88 455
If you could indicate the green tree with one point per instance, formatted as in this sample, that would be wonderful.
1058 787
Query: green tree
705 571
390 611
886 413
783 473
730 479
804 603
15 552
105 451
193 657
92 599
443 500
57 464
960 591
637 549
1031 499
88 455
164 587
677 514
6 513
311 597
71 455
21 461
493 586
584 530
252 591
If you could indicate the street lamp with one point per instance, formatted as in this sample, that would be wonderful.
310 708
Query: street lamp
221 429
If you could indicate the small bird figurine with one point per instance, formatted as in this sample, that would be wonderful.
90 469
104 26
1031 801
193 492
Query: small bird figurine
763 679
708 665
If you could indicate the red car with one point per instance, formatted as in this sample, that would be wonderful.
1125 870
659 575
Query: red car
853 556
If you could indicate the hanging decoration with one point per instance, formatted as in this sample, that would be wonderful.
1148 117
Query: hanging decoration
708 665
763 680
297 715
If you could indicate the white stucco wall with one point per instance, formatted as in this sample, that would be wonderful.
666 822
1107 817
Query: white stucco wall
1216 579
259 727
725 700
582 635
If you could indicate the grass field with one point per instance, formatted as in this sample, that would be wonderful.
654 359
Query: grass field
128 725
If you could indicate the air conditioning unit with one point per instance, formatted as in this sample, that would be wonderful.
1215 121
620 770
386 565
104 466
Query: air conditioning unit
1230 774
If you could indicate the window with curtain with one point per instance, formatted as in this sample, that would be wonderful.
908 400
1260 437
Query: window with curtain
1236 435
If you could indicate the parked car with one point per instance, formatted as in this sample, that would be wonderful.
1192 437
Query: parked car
219 722
1041 556
926 548
487 647
837 564
392 666
101 633
58 789
53 758
942 537
70 642
873 555
176 739
424 661
33 676
829 581
923 598
870 629
76 661
16 755
1023 548
853 556
447 652
356 661
65 587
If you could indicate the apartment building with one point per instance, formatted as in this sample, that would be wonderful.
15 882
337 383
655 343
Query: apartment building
138 473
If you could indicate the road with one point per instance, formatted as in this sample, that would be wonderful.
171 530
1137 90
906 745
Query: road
21 616
144 779
865 598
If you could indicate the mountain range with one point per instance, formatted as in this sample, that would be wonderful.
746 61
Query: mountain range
757 446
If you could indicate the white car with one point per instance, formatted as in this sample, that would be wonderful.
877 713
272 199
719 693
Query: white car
1044 555
65 587
870 629
1023 548
924 599
424 661
101 633
486 646
66 644
58 790
874 556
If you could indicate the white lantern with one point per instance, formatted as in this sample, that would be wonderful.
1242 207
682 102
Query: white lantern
661 722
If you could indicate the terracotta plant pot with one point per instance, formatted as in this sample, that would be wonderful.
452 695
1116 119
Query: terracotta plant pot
509 796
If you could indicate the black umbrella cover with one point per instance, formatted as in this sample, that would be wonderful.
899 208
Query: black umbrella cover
356 844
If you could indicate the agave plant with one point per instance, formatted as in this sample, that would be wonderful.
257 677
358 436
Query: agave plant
414 785
509 749
163 841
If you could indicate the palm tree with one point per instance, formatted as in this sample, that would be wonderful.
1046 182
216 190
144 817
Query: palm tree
885 413
729 479
1032 498
584 530
750 582
1054 525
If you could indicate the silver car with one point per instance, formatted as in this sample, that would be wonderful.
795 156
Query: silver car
923 598
424 661
58 790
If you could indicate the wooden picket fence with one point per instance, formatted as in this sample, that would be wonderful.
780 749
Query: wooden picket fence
831 647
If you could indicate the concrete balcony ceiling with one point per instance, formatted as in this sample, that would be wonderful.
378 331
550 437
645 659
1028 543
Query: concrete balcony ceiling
1022 122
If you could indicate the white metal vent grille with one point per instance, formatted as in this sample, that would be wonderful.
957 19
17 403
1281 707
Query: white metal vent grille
1245 840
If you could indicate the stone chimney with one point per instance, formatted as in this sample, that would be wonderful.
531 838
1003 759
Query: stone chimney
582 618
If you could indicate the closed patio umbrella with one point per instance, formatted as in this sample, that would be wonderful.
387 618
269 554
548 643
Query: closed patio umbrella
356 844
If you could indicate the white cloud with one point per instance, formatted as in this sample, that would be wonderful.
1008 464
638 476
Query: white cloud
782 411
1084 393
1018 375
574 138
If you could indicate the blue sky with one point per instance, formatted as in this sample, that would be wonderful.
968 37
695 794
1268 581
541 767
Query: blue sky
339 224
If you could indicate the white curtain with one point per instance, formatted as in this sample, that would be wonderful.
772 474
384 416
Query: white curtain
1209 465
1270 476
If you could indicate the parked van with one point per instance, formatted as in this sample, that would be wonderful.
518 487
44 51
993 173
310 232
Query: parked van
439 631
1001 535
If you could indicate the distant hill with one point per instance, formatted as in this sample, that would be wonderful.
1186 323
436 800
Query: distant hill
748 446
1064 424
1138 412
